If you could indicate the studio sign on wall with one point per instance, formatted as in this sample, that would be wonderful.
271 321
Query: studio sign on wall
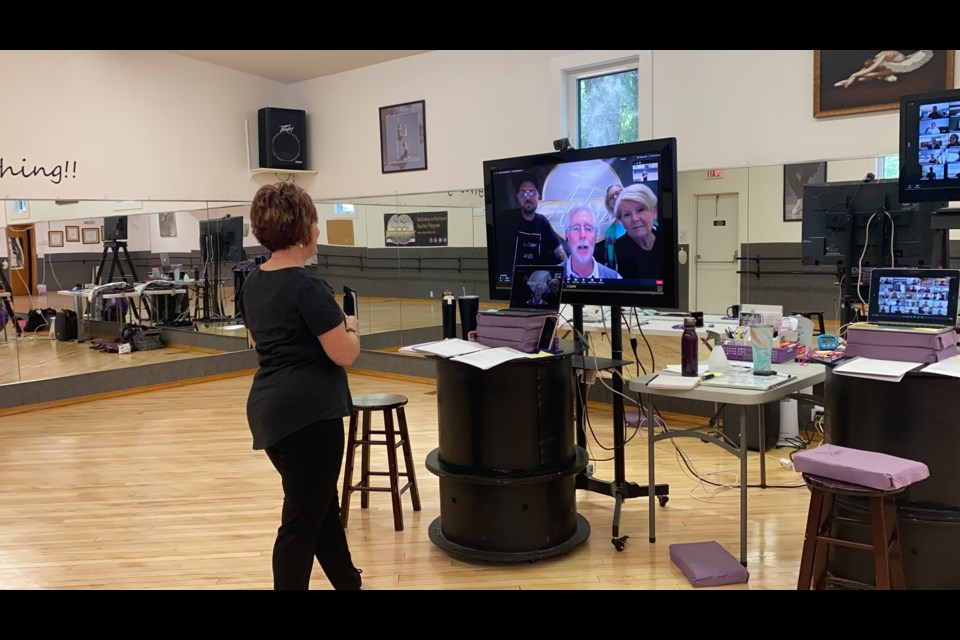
422 229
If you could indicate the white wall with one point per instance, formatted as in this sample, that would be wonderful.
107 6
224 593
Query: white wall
138 124
479 105
147 124
188 233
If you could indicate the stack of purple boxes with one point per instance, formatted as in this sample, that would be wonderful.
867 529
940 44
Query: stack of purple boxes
903 345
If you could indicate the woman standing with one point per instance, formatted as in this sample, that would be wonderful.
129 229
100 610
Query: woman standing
300 394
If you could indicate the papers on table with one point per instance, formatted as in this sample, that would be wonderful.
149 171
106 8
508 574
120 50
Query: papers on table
472 353
675 368
887 370
678 383
948 367
489 358
444 348
747 380
704 367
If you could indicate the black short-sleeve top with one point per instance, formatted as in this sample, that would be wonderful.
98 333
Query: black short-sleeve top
297 383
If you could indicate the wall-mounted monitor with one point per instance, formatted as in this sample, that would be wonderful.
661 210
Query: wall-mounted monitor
560 208
115 228
221 240
930 147
864 223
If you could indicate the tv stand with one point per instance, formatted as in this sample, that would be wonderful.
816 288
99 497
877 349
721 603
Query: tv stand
941 222
618 488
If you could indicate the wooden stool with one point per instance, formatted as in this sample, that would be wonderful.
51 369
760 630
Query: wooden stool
366 404
813 315
884 533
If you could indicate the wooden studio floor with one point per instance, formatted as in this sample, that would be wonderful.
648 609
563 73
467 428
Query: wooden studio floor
40 357
171 496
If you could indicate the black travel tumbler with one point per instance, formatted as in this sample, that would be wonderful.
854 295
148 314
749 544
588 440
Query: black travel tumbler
449 315
469 307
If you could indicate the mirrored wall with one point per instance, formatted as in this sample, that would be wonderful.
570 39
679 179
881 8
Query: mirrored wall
739 237
55 249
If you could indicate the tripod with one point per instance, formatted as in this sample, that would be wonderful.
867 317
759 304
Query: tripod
114 247
619 489
8 304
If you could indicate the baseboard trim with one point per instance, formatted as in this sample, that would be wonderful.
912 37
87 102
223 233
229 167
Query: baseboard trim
123 392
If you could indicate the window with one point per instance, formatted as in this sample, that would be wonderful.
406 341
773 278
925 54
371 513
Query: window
607 108
890 169
345 210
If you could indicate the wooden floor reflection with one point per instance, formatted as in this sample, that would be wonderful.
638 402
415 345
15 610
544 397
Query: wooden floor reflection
161 490
39 357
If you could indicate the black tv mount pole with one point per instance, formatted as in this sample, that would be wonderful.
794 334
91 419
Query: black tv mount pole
7 303
618 488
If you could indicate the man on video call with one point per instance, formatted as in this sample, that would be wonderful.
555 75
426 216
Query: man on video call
529 238
581 229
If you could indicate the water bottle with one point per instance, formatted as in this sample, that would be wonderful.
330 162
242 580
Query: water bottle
689 348
449 315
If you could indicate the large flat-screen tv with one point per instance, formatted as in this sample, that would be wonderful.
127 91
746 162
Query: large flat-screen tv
930 147
114 228
864 223
221 240
560 208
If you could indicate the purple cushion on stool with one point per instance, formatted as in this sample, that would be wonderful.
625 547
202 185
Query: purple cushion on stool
866 468
707 564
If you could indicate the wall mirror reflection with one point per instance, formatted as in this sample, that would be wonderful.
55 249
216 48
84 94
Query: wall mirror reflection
153 253
366 244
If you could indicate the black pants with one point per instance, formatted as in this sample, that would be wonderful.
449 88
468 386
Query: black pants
309 462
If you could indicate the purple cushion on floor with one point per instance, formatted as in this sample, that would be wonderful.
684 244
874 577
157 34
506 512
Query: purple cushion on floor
707 564
866 468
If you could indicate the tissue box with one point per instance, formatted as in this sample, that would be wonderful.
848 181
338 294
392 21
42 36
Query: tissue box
902 345
918 339
745 352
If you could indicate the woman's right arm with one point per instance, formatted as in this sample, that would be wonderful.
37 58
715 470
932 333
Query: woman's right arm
342 343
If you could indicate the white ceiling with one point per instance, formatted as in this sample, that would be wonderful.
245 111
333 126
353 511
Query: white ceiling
295 65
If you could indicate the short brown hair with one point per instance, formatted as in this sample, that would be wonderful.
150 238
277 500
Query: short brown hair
281 215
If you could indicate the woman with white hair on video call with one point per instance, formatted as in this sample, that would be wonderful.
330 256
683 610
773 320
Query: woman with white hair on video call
639 255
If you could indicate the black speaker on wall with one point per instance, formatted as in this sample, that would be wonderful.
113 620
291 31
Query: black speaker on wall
283 138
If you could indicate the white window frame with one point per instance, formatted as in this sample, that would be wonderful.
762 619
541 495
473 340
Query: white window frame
571 98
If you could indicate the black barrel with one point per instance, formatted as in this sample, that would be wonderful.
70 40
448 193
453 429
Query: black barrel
914 419
507 460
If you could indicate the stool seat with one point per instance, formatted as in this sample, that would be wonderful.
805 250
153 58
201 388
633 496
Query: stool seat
846 488
365 406
379 401
811 315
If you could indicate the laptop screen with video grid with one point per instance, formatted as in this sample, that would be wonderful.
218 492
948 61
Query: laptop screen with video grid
536 288
914 297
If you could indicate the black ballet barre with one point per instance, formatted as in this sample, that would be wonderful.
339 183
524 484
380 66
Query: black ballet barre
419 264
756 271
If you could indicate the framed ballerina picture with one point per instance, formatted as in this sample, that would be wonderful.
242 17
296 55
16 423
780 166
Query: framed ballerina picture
861 81
403 137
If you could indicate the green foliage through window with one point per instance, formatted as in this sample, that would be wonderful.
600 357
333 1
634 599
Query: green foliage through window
608 109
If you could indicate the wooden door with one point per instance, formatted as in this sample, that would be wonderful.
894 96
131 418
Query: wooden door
21 256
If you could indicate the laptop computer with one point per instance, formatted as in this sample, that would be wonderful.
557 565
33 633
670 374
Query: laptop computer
914 297
535 291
